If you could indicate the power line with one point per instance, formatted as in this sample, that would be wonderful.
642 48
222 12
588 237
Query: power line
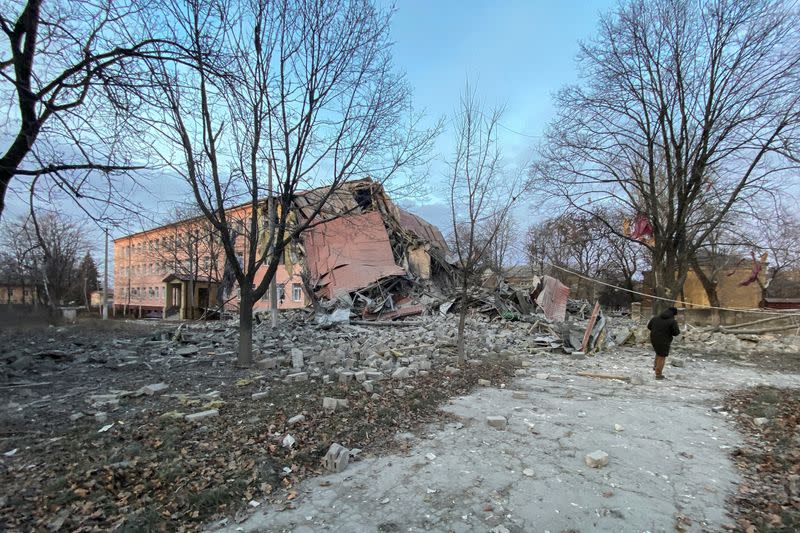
701 306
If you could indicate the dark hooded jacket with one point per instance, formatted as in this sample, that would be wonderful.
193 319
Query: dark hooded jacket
662 328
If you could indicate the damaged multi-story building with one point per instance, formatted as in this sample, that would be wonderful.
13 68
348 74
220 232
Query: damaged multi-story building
362 247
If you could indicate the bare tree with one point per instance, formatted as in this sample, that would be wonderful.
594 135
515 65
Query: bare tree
66 71
300 90
49 248
502 236
481 193
779 236
685 110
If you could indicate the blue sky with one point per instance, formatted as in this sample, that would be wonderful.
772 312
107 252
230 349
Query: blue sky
517 54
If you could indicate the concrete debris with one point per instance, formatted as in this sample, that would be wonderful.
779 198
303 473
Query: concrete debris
288 441
760 421
677 362
519 395
596 459
529 472
297 358
337 458
196 417
331 404
259 395
618 427
186 351
401 373
430 456
484 383
497 421
295 420
297 376
150 390
268 363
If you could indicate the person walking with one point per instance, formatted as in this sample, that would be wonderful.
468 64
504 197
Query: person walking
662 329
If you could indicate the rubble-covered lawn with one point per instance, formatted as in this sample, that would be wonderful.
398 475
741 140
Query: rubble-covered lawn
85 448
768 500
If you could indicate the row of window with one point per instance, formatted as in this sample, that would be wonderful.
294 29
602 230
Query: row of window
143 292
297 292
162 267
172 242
156 292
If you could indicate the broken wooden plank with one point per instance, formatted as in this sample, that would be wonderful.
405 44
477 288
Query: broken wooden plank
603 375
589 328
22 385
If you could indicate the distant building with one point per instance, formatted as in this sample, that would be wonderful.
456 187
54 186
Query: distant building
96 297
730 273
783 291
14 293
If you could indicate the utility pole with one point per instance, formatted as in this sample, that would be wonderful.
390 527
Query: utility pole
105 281
273 289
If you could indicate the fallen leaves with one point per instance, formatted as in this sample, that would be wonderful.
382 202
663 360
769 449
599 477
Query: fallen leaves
768 499
160 473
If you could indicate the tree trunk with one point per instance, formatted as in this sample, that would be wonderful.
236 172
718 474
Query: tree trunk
710 287
665 286
462 320
245 358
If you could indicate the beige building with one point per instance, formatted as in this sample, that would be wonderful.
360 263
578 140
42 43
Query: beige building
18 294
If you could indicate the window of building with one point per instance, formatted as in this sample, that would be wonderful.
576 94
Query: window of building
297 292
281 294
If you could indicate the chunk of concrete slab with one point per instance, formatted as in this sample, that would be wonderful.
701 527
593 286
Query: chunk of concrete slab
186 351
268 363
150 390
295 420
401 373
496 421
596 459
337 458
196 417
297 358
484 383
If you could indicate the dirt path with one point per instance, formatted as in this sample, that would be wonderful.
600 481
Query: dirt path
669 465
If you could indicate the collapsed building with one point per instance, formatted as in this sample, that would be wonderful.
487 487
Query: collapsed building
362 256
359 244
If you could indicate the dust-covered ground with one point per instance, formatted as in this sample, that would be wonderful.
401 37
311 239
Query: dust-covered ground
85 447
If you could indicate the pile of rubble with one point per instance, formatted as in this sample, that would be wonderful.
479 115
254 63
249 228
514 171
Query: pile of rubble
366 352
